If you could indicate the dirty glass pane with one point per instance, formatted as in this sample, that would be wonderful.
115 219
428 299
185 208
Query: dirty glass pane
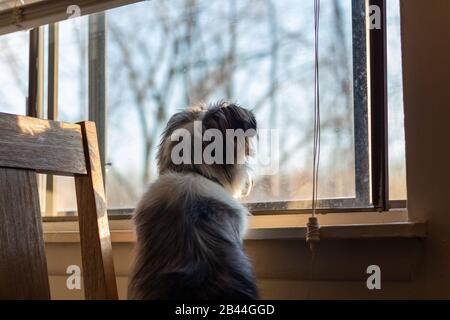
14 72
397 161
256 53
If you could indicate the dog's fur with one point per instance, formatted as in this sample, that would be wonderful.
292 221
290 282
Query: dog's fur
189 226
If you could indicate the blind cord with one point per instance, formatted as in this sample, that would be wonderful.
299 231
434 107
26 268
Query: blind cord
312 231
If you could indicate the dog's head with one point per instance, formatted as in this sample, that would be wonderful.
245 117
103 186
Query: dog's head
215 142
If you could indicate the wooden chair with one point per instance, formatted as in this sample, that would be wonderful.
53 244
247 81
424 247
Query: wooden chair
31 145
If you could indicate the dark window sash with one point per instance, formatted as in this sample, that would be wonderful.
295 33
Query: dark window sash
97 82
379 112
360 104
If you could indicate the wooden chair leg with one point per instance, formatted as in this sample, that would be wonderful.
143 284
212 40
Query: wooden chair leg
96 250
23 265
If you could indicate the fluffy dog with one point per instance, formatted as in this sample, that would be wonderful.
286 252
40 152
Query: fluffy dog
189 224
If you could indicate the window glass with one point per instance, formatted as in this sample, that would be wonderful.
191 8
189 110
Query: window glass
397 162
73 70
14 72
256 53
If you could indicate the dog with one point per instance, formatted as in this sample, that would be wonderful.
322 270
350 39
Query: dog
189 224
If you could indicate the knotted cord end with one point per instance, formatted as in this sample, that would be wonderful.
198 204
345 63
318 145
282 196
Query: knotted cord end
312 232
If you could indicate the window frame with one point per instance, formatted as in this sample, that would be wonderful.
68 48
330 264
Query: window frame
370 111
33 15
371 157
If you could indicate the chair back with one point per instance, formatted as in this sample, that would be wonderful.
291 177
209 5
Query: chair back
29 146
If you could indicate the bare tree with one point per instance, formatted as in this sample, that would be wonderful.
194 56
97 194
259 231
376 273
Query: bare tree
188 61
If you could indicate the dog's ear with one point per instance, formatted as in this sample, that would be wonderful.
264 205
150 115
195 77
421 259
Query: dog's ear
240 118
229 116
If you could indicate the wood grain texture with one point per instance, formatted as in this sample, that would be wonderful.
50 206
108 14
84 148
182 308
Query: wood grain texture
43 12
96 250
405 230
42 145
23 267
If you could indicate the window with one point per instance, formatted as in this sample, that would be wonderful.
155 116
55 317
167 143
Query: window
14 72
397 162
256 53
72 101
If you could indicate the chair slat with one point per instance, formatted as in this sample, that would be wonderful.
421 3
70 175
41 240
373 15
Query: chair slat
42 145
57 148
96 250
23 266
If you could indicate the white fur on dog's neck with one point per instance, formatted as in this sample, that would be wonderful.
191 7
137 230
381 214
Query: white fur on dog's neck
198 185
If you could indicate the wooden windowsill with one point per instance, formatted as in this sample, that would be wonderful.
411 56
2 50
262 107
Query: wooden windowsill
352 231
354 238
405 230
354 225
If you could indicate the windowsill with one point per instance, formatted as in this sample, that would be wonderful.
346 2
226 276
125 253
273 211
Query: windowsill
393 224
351 242
406 230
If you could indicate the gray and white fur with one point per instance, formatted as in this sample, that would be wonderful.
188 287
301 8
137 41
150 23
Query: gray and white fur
190 225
